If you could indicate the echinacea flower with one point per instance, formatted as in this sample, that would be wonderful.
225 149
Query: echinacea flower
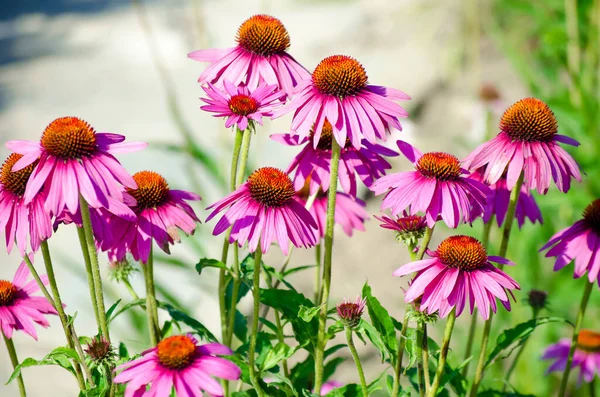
20 220
239 104
351 312
459 271
497 202
264 209
313 163
409 228
160 211
179 363
100 353
528 143
329 386
350 212
438 186
586 357
580 243
338 91
74 160
19 308
260 56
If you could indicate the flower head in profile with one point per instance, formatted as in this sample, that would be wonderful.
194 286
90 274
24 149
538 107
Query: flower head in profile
409 228
179 363
160 212
264 209
528 142
437 187
313 163
74 160
19 308
21 222
239 104
351 312
459 271
497 202
100 353
586 357
260 57
338 91
579 243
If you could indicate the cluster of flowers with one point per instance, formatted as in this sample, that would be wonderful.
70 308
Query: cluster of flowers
337 116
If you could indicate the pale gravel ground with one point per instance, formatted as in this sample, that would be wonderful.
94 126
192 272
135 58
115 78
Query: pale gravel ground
97 66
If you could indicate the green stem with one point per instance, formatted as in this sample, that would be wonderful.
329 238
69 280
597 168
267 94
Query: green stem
443 354
420 369
91 248
88 271
593 387
354 353
424 243
512 367
132 292
318 275
151 305
255 316
573 51
237 282
583 305
399 356
327 262
508 222
12 353
426 358
241 174
38 280
58 305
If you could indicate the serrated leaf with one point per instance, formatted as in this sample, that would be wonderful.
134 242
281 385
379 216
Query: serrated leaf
382 322
274 356
371 333
308 313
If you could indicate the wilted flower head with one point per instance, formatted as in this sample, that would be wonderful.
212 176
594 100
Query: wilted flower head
586 357
409 228
351 312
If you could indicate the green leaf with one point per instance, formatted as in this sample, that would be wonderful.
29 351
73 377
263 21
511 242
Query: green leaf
274 356
240 326
194 324
296 270
60 356
123 309
517 335
382 322
284 384
364 328
112 308
307 314
497 393
206 262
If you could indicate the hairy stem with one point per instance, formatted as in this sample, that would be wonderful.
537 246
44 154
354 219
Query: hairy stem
318 275
132 292
12 353
399 356
420 369
354 353
439 373
151 305
255 317
88 271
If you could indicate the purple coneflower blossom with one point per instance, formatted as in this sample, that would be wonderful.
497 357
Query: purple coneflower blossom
259 57
338 91
586 357
178 362
19 309
351 312
580 243
408 228
159 211
329 386
313 163
497 202
74 160
458 271
20 220
239 104
263 208
527 142
350 212
438 186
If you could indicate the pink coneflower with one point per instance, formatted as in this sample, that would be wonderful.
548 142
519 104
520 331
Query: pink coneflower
459 271
586 357
408 228
338 91
329 386
313 163
497 202
528 142
259 57
178 362
159 211
20 220
351 312
580 243
437 187
350 212
264 208
74 160
239 104
19 309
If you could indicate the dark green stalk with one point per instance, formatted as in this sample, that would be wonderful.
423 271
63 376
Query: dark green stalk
443 354
12 353
420 369
399 356
354 353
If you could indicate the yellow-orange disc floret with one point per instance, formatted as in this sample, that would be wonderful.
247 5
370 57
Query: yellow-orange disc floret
340 76
462 252
591 215
69 138
242 105
263 35
442 166
529 120
15 182
588 341
8 293
176 352
271 187
152 189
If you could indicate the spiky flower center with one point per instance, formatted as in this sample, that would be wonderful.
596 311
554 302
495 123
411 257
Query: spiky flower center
263 35
340 76
462 252
350 312
99 349
69 138
591 216
588 341
439 165
529 120
176 352
326 138
15 182
8 293
152 189
243 105
411 223
271 186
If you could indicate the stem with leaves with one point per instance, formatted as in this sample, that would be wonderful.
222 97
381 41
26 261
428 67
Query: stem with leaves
512 367
14 360
354 353
255 318
443 354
